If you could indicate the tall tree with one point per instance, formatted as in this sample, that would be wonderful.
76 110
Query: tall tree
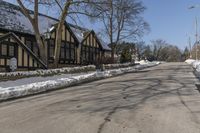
61 22
158 45
163 51
67 8
34 21
186 54
140 48
121 20
126 55
148 54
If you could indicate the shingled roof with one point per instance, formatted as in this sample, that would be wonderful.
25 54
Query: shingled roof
11 18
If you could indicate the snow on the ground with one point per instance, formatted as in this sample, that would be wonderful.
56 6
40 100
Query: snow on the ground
30 80
143 62
49 71
23 87
195 64
189 61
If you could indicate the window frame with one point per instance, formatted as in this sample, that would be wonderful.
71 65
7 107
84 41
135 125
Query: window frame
8 44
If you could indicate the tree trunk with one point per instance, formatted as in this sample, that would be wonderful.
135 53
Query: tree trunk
59 32
111 31
112 53
42 46
34 22
58 45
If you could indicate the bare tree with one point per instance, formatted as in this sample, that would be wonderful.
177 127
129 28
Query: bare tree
158 45
61 22
67 9
34 21
164 51
72 8
121 20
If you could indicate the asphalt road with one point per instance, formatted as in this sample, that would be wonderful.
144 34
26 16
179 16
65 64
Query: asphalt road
162 99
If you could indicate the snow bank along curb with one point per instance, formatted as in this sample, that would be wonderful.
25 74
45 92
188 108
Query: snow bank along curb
24 90
114 66
65 70
195 64
48 72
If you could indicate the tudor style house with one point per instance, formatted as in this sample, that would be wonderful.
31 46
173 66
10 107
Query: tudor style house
80 46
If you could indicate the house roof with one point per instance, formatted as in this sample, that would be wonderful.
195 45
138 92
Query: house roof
11 18
8 35
79 32
104 44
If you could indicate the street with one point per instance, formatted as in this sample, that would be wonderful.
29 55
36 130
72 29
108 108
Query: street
161 99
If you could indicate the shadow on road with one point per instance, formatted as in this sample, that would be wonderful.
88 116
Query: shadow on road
125 92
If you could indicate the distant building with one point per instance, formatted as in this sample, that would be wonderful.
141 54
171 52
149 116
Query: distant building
79 46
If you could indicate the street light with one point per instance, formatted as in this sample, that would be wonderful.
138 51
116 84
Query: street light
194 6
196 26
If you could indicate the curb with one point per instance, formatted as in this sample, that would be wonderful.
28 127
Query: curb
50 85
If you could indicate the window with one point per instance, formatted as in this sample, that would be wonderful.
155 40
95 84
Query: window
72 54
62 50
7 50
11 50
4 49
62 53
72 51
94 54
51 48
67 51
67 45
67 54
28 44
36 49
83 53
91 54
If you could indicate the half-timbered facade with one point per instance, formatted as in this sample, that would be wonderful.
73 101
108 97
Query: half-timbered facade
91 49
69 47
12 47
79 46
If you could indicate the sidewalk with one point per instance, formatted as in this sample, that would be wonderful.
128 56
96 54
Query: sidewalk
30 80
34 85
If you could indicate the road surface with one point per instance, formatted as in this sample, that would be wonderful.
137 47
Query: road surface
162 99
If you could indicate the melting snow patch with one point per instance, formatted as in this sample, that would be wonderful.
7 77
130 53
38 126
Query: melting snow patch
189 61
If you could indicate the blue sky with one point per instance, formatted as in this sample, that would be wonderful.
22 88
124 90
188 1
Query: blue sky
170 20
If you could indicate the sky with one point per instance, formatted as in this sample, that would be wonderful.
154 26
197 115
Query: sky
170 20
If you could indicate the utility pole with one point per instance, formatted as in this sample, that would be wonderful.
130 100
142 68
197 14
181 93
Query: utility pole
190 47
196 43
196 26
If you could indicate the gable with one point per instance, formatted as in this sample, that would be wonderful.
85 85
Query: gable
67 35
91 40
25 56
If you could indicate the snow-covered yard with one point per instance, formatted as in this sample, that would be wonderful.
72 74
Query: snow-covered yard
33 85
